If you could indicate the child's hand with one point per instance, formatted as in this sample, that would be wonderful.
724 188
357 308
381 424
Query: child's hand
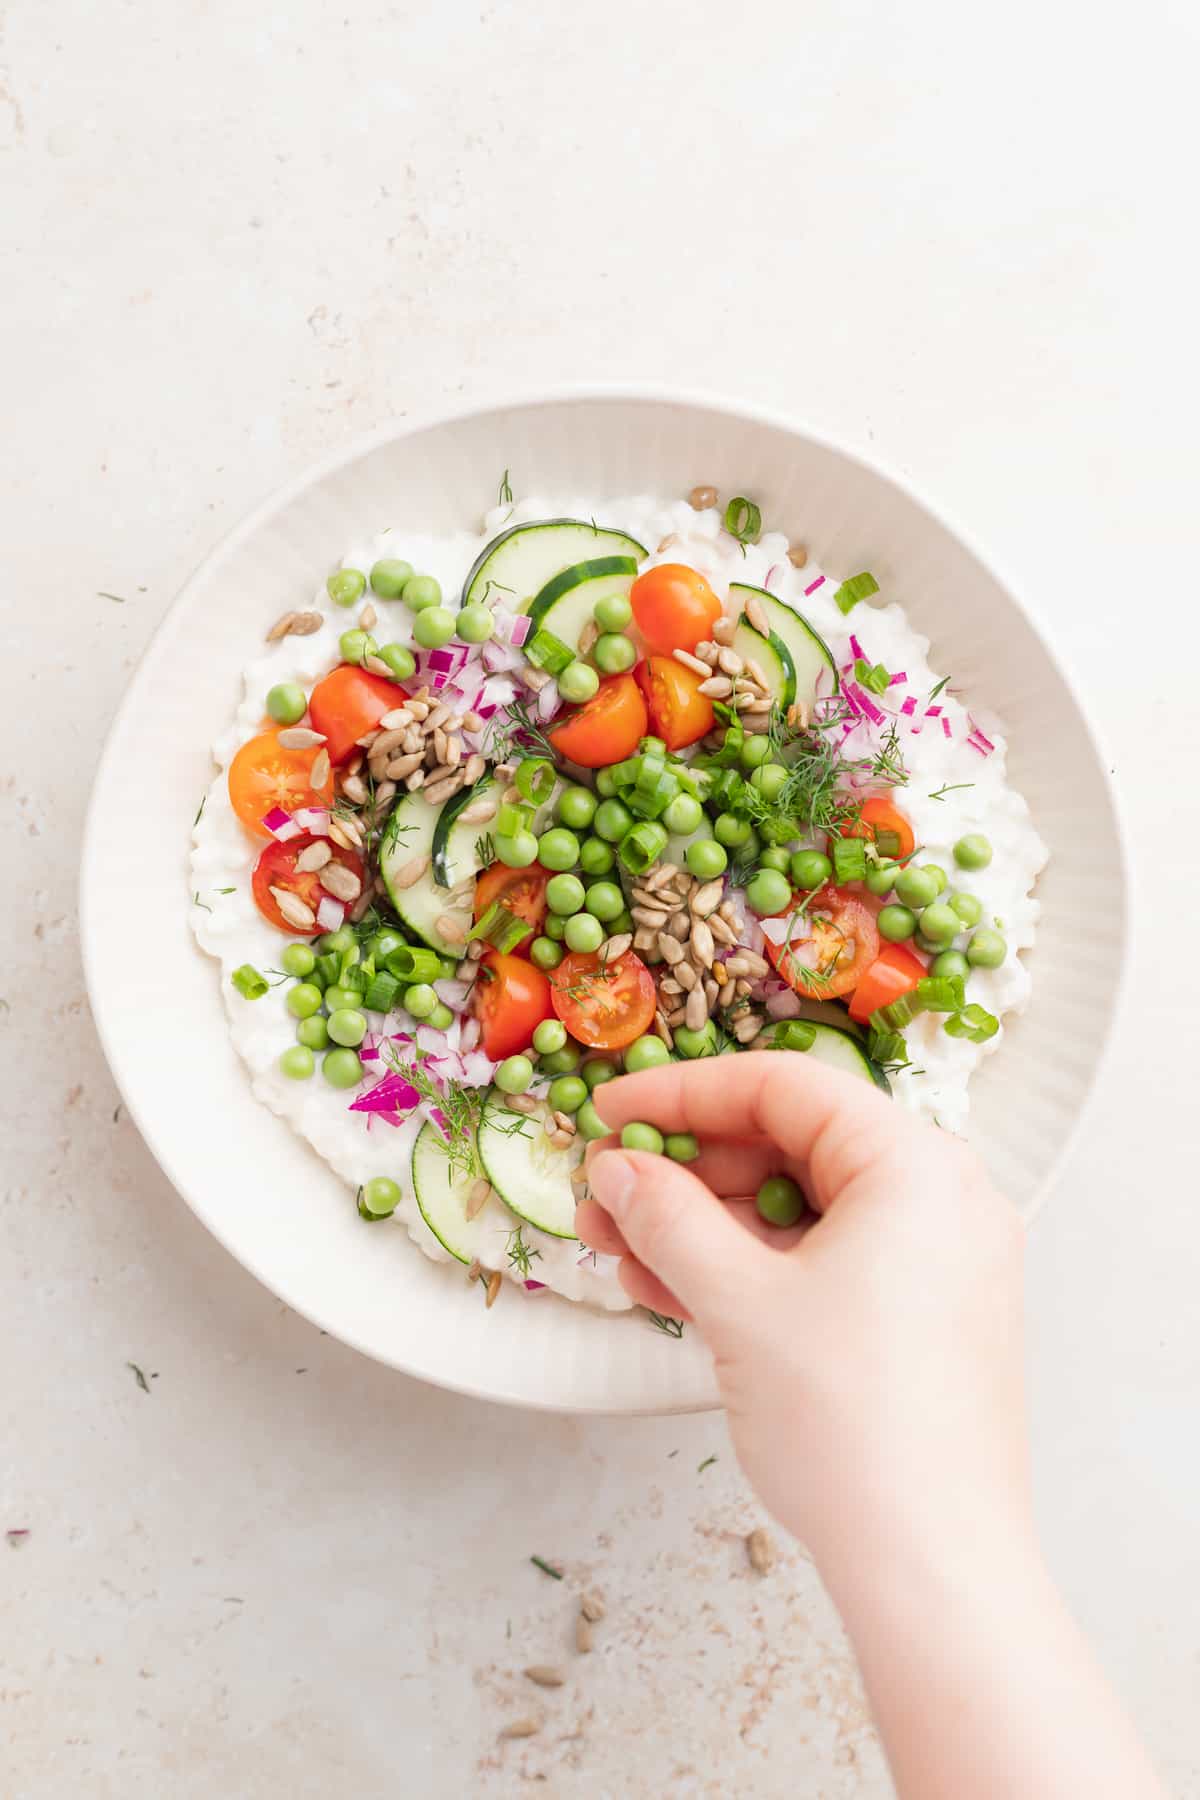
870 1365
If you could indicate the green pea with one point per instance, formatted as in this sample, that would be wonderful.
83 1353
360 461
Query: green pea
476 624
420 1000
304 1000
583 932
345 586
354 645
553 927
381 1197
337 997
706 859
544 953
383 943
896 923
613 819
931 946
682 815
731 831
422 593
441 1018
681 1146
433 626
347 1026
780 1201
613 653
561 1062
775 857
968 908
881 877
810 868
564 893
939 923
596 857
297 1063
336 943
514 1075
986 950
950 962
313 1032
567 1094
558 848
605 900
588 1122
937 873
399 659
770 779
613 613
755 751
768 892
692 1044
517 852
916 888
606 783
973 851
598 1071
646 1053
549 1036
298 959
576 807
287 703
578 682
639 1136
389 577
341 1068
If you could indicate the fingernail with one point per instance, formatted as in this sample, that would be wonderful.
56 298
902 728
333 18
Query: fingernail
612 1179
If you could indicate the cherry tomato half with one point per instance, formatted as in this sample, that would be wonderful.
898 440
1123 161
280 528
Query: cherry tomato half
674 607
263 775
604 1005
523 892
843 945
511 1000
894 971
878 814
349 703
606 728
276 868
679 713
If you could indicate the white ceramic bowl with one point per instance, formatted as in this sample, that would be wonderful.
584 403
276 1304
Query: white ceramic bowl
257 1187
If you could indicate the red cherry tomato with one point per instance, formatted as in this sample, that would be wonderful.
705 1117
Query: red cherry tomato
679 713
349 703
511 1000
606 728
523 892
894 971
674 607
604 1005
843 945
263 775
276 868
878 814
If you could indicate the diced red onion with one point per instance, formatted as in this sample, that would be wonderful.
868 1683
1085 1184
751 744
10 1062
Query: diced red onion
775 931
477 1069
500 658
330 913
313 819
984 749
431 1040
945 726
856 647
814 585
588 1256
518 631
447 660
785 1005
909 707
441 1121
281 825
859 698
933 712
898 680
771 573
533 1287
548 701
392 1094
368 1050
848 692
979 738
452 992
469 1036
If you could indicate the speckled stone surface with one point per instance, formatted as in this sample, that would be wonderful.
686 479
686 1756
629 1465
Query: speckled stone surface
234 238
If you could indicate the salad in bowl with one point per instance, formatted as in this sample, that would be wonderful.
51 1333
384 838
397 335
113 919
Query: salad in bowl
502 814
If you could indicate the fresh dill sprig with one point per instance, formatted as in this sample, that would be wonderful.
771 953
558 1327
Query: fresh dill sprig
660 1321
485 849
197 901
200 811
520 1256
889 764
504 497
936 689
521 736
952 787
460 1107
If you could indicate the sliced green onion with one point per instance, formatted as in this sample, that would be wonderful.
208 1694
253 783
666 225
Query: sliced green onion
642 845
887 1047
382 992
413 965
249 983
941 993
512 819
859 587
353 978
535 778
877 679
743 520
501 928
545 651
888 844
651 803
849 859
692 781
653 745
794 1034
329 968
898 1015
974 1023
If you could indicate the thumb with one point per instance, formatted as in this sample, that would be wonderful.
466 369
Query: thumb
678 1228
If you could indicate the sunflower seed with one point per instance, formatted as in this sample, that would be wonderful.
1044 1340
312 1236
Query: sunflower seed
708 651
416 707
670 987
560 1140
760 1548
565 1122
798 715
282 627
670 949
678 926
475 950
479 811
475 767
439 741
747 1028
534 679
707 898
387 741
475 1270
414 739
644 937
797 555
711 991
362 905
471 721
319 774
669 542
717 687
696 1012
686 976
477 1199
516 1728
415 780
450 929
701 498
522 1103
692 662
724 629
493 1289
346 831
746 701
676 1016
399 719
747 962
367 741
293 908
587 637
592 1607
400 766
650 915
436 720
340 881
701 940
299 737
410 872
616 946
314 857
755 672
741 986
438 791
377 666
367 617
728 910
730 661
453 752
542 1675
583 1635
756 615
722 930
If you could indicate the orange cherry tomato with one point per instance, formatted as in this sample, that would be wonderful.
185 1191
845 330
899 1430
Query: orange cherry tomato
349 703
263 775
606 728
843 945
604 1005
894 971
276 868
511 1000
674 607
523 891
878 814
679 713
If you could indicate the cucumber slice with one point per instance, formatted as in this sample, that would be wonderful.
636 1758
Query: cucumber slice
520 562
530 1176
417 829
565 604
773 658
810 655
442 1190
840 1050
